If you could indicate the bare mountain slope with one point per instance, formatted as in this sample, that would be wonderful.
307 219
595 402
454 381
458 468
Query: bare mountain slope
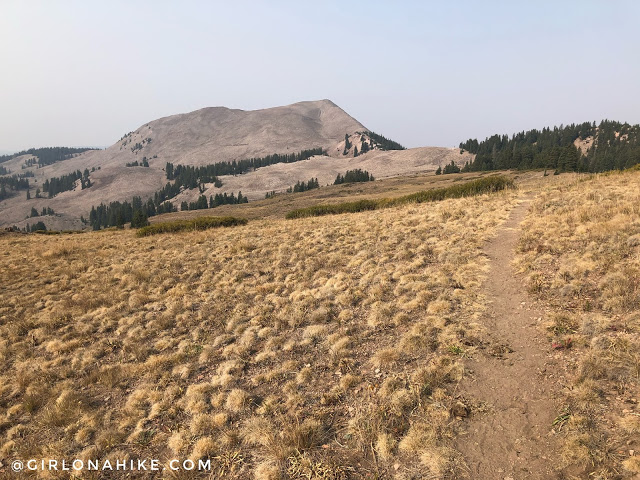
212 135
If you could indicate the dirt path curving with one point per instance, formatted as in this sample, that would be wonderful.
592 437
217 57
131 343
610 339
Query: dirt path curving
508 384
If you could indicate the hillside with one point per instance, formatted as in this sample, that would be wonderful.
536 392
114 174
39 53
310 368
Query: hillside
209 136
451 339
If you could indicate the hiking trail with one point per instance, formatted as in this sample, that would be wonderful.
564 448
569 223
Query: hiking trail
510 383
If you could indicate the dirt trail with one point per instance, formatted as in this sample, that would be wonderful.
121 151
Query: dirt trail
508 435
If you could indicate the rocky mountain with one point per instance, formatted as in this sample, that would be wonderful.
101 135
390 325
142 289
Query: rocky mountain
205 137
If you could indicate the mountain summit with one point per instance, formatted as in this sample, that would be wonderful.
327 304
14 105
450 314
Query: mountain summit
134 166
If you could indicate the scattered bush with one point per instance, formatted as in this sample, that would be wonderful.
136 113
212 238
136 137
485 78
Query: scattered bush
202 223
475 187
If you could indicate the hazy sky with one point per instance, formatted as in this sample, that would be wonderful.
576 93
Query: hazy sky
420 72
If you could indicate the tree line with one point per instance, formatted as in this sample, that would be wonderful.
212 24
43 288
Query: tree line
382 143
46 155
214 201
238 167
116 214
614 146
304 186
137 212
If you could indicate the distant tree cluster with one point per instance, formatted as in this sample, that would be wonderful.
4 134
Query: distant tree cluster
450 168
242 166
39 226
45 211
382 143
143 163
138 146
116 214
364 146
10 185
4 171
45 156
224 199
352 176
347 144
615 145
214 201
191 177
304 186
374 141
55 185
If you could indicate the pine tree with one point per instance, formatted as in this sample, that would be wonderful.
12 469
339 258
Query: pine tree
39 226
347 144
139 219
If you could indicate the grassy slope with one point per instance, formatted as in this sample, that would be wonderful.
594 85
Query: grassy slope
325 344
281 204
274 348
581 251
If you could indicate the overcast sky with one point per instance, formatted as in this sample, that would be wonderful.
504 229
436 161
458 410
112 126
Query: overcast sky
420 72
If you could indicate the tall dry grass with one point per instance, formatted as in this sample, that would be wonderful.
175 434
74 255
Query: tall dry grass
322 348
581 252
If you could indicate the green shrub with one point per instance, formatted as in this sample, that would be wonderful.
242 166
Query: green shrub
59 232
200 223
347 207
475 187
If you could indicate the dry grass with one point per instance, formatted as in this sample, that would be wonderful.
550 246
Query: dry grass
281 204
320 348
581 250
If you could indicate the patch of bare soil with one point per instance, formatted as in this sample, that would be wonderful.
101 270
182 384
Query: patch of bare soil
510 385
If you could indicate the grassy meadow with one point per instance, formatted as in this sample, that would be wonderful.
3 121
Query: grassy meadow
316 348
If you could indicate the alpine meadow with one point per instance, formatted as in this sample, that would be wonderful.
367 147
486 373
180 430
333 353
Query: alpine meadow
319 240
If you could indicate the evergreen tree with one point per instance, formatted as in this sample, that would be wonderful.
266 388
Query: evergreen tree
347 144
39 226
439 171
451 168
383 143
139 219
357 175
